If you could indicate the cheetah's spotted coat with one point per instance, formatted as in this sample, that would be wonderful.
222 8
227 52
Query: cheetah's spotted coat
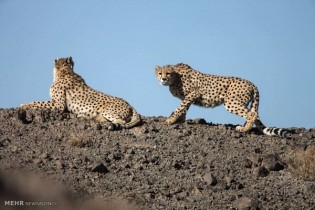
194 87
70 92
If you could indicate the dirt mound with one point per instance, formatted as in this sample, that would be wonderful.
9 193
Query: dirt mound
193 165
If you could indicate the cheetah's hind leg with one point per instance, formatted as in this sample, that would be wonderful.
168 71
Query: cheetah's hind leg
250 121
110 121
240 109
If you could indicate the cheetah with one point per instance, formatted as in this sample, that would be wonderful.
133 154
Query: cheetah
70 92
205 90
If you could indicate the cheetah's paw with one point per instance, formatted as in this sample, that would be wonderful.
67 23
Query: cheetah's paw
170 121
240 128
25 106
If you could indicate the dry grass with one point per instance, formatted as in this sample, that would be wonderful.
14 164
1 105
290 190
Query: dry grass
302 163
78 140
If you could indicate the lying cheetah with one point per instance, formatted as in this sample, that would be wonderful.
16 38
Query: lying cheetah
194 87
70 92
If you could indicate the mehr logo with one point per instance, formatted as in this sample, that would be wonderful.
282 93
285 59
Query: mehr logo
14 203
30 203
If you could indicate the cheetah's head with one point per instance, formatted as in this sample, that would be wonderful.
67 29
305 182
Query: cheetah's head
63 66
165 74
64 63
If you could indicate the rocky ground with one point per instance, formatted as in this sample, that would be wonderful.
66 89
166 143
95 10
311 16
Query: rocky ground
193 165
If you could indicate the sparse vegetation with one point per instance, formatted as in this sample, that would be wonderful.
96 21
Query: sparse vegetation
302 163
78 140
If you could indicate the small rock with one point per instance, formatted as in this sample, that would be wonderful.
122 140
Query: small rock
84 159
149 195
210 179
176 190
100 168
22 116
98 126
247 163
138 166
163 203
309 188
166 192
232 197
60 164
77 161
243 203
88 183
221 185
44 155
254 159
178 166
139 131
201 121
150 182
37 161
14 149
60 116
257 150
239 186
117 155
271 163
43 127
5 142
199 185
186 132
190 199
153 129
82 126
260 172
283 141
228 180
236 135
130 151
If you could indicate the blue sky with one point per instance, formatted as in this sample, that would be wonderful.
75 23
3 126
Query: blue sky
116 44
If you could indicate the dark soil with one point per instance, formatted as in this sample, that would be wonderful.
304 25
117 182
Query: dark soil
193 165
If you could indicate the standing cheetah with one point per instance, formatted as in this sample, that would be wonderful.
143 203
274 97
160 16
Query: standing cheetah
70 92
194 87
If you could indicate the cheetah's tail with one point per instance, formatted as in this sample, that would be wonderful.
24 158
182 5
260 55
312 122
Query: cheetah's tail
273 131
135 119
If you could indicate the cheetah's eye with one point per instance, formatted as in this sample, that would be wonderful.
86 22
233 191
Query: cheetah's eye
167 74
160 73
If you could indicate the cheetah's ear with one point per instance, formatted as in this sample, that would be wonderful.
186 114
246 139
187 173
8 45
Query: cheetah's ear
157 67
69 60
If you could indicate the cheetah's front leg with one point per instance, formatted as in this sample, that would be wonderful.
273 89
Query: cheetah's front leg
44 105
181 110
57 102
